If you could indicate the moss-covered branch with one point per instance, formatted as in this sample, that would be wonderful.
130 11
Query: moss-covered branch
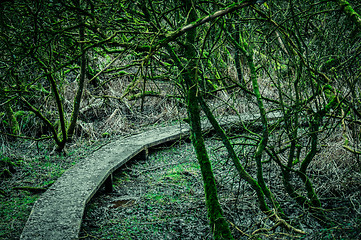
217 222
241 171
350 12
59 104
198 22
13 123
42 118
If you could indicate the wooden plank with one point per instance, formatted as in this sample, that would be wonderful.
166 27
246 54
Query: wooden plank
59 211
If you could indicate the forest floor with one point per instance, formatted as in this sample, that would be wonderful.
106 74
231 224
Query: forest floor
32 168
163 198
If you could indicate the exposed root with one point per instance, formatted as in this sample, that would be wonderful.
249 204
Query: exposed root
279 222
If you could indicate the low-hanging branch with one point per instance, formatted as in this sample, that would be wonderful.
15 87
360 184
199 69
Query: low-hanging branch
171 36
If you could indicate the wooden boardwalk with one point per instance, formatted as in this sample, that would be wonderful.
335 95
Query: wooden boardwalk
58 212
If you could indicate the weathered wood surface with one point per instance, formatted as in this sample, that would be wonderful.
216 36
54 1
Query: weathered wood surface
58 212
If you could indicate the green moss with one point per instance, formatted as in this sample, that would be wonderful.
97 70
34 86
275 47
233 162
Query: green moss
15 211
350 12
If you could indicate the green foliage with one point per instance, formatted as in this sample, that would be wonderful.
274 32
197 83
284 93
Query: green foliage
295 57
106 135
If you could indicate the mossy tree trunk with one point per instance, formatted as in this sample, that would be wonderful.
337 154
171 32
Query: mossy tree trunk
242 46
217 222
350 12
60 141
233 155
13 123
238 56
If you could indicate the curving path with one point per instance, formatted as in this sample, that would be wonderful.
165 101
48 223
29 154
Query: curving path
58 212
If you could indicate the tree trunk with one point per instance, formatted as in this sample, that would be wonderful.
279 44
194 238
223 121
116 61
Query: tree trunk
79 93
13 123
217 222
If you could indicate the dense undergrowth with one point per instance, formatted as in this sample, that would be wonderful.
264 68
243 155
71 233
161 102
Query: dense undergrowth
162 198
164 195
76 74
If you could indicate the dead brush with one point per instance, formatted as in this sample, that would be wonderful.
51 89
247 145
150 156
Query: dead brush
335 169
86 130
114 123
229 103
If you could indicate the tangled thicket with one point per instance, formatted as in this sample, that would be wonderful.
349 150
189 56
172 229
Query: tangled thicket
91 68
